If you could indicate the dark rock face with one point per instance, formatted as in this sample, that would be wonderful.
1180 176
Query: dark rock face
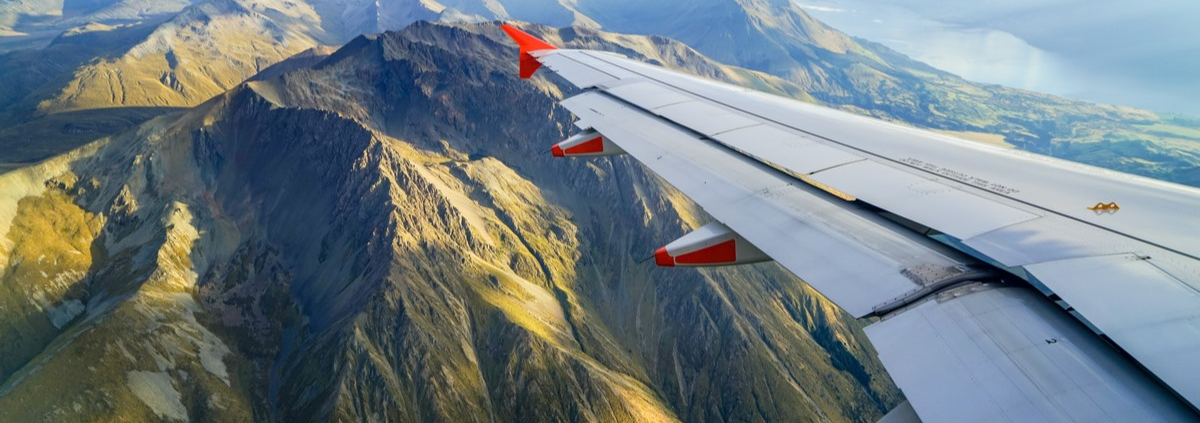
381 237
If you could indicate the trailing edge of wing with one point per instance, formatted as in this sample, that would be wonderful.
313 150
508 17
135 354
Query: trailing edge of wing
994 354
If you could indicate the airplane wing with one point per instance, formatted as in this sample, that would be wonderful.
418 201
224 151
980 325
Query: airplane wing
1003 286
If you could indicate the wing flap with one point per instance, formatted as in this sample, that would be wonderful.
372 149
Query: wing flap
1048 239
1156 319
593 61
649 95
705 118
1008 355
784 150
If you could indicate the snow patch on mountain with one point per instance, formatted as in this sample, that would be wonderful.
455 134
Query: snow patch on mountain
157 392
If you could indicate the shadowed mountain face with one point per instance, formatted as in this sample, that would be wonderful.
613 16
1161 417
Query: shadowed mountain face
382 236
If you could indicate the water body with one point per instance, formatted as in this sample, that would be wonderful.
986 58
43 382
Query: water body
1142 54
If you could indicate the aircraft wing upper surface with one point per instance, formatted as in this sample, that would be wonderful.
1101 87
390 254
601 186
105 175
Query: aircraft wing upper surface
927 232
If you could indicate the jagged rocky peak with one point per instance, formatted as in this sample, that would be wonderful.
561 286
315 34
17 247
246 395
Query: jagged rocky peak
380 235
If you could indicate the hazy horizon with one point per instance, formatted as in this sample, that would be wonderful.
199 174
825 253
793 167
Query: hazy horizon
1107 51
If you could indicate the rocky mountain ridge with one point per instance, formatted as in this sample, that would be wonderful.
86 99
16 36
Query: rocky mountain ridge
380 236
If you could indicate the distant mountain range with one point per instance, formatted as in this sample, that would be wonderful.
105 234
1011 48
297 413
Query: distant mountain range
145 61
377 233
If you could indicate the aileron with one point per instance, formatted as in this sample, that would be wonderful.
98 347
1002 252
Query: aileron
785 150
579 74
648 95
705 118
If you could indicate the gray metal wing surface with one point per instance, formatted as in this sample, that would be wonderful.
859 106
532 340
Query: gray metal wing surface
912 227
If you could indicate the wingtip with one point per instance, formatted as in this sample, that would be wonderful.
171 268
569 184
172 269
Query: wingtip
527 43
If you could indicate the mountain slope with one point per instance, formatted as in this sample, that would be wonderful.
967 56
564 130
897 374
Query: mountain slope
99 79
381 236
29 23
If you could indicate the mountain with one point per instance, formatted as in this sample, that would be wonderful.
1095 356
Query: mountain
57 100
108 65
25 23
381 236
100 79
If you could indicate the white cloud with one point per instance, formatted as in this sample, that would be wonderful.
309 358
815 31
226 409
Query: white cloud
817 8
1101 50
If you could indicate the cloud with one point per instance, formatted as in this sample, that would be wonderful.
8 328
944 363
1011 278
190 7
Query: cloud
820 8
1109 51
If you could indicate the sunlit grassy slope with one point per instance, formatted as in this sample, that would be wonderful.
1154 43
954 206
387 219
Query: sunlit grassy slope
98 80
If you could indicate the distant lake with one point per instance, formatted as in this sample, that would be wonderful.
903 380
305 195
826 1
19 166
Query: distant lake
1142 54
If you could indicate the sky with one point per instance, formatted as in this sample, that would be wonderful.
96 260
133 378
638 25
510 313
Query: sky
1136 53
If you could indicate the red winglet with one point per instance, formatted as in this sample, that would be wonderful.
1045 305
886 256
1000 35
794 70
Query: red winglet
528 43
